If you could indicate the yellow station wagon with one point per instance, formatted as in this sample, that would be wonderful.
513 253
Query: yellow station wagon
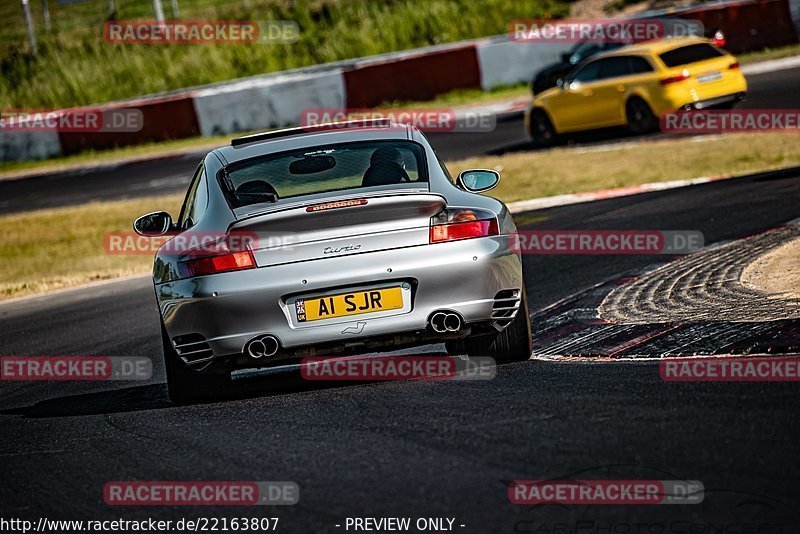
633 86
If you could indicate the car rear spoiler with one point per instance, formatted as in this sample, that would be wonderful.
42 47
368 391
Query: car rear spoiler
288 132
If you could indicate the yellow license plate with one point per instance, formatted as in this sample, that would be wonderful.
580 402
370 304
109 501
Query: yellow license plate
344 304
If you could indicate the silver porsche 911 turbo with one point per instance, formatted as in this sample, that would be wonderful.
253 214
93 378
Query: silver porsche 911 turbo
349 237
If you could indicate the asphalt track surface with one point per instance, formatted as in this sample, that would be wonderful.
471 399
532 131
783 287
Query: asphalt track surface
773 90
420 448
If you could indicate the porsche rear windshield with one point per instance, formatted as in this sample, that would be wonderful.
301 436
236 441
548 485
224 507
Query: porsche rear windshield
325 169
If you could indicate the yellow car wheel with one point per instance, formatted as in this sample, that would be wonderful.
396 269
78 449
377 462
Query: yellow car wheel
542 131
641 118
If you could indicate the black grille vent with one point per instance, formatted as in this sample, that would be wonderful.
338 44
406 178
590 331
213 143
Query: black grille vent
192 347
506 304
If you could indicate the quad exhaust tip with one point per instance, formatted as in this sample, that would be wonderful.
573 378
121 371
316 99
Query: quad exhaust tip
262 346
443 322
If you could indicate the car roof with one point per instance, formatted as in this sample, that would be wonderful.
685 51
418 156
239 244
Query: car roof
653 47
298 138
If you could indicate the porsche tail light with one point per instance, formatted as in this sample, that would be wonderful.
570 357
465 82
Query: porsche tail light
457 224
221 263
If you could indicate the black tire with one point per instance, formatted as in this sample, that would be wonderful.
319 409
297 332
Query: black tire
542 131
455 347
513 344
639 116
186 385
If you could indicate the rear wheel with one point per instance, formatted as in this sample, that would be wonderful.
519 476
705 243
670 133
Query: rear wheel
542 131
186 385
513 344
640 117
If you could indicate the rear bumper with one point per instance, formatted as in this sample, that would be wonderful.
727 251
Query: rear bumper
229 309
715 102
688 96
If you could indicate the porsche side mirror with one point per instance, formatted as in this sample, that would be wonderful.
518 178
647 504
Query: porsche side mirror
478 180
153 224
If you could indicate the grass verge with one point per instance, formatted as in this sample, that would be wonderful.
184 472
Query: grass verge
74 65
63 247
769 53
573 170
